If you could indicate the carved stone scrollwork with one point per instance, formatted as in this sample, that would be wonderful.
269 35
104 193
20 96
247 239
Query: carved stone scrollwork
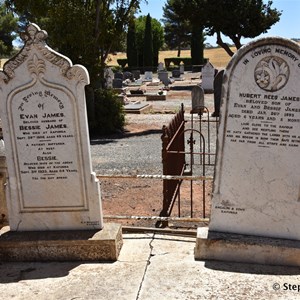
36 66
34 34
35 37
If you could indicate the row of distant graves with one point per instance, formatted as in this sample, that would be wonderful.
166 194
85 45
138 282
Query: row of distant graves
120 79
53 194
211 82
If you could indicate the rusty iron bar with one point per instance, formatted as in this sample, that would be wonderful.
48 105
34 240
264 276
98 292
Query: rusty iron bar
157 218
168 231
172 139
200 153
158 177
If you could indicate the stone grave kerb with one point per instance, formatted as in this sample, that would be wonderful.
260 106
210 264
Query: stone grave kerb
34 79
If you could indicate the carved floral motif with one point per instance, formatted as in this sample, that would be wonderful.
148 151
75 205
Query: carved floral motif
271 73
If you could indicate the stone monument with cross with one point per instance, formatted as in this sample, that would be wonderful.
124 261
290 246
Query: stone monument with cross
256 197
51 185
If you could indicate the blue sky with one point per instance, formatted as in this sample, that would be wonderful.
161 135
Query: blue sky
287 27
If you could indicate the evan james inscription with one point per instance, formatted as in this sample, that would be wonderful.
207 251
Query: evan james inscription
44 118
257 183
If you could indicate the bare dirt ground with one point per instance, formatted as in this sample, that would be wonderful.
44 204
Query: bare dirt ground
144 197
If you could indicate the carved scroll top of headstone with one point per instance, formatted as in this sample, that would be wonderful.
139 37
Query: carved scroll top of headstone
35 39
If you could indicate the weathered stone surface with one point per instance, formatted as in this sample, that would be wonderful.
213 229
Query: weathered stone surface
197 99
51 185
137 108
157 97
246 248
84 245
256 187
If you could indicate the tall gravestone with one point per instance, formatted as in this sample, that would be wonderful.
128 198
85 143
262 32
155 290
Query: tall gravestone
257 177
51 185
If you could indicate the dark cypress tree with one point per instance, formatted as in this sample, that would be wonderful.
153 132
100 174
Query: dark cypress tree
197 46
132 55
148 45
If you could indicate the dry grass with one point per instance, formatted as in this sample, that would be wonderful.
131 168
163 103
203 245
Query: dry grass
218 57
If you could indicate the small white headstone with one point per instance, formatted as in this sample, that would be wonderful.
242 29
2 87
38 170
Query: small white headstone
257 183
51 185
208 74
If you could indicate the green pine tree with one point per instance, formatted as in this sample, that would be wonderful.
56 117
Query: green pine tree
148 45
197 46
132 55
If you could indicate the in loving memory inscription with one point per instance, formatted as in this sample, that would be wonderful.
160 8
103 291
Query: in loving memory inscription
267 119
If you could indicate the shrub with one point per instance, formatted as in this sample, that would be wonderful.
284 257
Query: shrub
109 114
122 62
187 61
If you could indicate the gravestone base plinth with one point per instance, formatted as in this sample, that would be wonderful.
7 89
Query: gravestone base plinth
240 248
72 245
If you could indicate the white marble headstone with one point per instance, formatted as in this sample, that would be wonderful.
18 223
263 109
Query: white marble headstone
257 182
208 75
51 185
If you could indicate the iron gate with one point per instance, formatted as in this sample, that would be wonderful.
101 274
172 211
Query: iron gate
194 157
